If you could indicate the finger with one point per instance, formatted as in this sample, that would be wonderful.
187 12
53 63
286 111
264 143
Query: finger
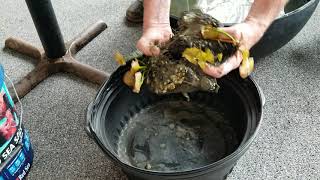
213 71
171 35
238 59
232 63
144 46
165 38
218 71
232 30
148 47
154 50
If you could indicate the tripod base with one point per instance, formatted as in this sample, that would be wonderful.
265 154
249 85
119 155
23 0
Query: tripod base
67 63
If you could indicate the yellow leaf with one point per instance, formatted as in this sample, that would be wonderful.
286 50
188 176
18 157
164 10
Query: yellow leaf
191 54
245 54
246 67
119 58
138 81
128 78
251 64
209 57
208 32
213 33
194 55
220 57
135 66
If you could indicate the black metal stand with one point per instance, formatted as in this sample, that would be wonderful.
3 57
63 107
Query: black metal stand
57 56
47 27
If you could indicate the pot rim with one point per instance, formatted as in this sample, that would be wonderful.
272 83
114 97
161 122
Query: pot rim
306 5
203 169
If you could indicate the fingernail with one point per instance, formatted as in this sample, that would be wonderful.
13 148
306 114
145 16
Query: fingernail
154 50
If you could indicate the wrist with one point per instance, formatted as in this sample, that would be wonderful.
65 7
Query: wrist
257 27
259 24
156 13
151 25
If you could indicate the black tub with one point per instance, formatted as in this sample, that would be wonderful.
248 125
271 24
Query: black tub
239 101
283 29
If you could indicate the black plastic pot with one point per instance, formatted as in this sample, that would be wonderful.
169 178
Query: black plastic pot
239 99
283 29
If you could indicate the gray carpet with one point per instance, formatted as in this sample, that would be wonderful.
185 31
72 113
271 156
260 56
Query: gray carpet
287 146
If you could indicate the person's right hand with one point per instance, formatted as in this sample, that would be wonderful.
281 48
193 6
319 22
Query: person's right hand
249 33
153 36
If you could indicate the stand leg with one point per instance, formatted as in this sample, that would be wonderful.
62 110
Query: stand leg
86 36
23 47
85 72
30 81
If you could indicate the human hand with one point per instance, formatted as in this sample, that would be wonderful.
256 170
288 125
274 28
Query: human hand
153 36
248 33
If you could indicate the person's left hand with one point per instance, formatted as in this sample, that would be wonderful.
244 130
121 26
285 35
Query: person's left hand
249 33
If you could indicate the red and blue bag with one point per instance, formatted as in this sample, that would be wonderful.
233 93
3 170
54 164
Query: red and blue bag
16 154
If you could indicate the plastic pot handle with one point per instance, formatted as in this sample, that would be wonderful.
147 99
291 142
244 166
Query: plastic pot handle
88 121
263 97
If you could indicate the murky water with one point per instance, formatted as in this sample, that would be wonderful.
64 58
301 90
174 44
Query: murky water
176 136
